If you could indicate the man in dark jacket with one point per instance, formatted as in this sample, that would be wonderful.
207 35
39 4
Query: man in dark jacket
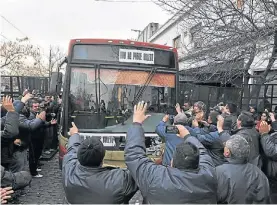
246 128
269 145
191 179
214 141
36 140
240 182
26 126
9 129
85 181
230 111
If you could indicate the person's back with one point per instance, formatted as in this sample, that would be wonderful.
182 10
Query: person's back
253 138
172 185
240 182
247 130
85 181
103 185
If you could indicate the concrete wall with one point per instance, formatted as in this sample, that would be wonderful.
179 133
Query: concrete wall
172 29
147 32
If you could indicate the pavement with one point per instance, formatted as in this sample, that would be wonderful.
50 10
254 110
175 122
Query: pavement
49 189
45 190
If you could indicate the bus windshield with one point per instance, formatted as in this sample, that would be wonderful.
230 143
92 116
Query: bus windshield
101 98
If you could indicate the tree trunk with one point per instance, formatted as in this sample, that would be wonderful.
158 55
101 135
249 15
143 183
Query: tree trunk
246 79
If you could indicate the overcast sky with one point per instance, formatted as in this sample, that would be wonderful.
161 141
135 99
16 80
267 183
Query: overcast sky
55 22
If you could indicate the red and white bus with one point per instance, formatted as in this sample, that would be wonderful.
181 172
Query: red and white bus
103 80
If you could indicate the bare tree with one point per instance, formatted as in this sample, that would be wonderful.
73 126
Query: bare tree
228 32
21 58
56 56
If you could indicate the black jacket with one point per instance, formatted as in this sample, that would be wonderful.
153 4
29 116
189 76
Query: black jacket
161 185
9 130
253 138
38 133
242 183
99 185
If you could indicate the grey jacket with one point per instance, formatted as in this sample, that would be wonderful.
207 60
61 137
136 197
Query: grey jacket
17 180
253 138
94 185
242 183
9 130
269 145
161 185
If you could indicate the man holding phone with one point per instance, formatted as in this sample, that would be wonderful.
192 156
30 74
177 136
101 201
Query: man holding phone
169 135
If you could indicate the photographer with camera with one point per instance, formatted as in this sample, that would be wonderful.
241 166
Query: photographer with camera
51 107
169 134
191 177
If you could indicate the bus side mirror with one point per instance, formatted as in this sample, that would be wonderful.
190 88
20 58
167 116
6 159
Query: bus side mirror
56 83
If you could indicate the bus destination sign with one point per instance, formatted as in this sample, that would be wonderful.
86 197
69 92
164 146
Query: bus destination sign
136 56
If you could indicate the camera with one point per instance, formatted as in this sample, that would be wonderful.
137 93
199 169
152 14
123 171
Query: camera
171 129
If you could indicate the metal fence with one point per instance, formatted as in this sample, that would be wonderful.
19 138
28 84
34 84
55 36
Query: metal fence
15 85
241 96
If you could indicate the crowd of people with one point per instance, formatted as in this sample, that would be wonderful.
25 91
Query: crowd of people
230 157
28 130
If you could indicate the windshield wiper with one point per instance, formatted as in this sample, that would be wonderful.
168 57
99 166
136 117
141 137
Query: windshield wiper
143 88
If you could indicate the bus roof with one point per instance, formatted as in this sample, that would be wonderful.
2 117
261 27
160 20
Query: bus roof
119 42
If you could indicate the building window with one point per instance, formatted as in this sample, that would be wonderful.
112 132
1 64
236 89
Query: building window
177 42
195 36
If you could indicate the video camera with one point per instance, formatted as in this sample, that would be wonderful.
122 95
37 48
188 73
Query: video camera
218 108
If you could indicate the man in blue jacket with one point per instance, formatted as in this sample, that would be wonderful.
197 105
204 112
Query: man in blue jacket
171 140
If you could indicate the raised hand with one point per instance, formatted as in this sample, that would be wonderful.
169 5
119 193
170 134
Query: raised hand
26 97
73 130
264 128
220 122
272 117
8 104
178 108
166 118
182 131
139 112
42 116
